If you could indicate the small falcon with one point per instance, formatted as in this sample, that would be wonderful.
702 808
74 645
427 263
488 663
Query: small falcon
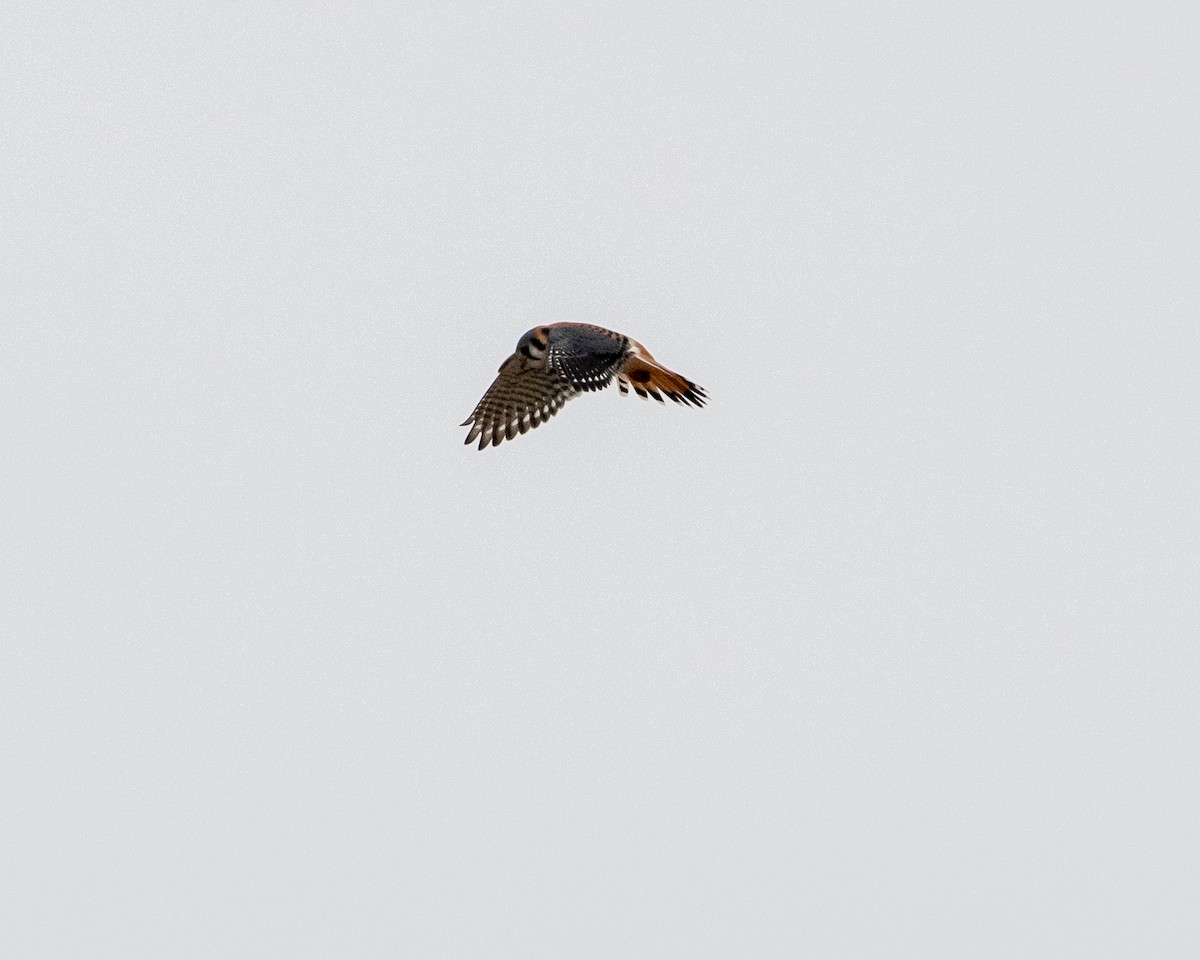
554 363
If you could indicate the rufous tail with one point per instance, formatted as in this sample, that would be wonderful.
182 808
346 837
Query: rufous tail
646 377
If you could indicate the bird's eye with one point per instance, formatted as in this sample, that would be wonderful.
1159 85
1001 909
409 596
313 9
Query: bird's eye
532 346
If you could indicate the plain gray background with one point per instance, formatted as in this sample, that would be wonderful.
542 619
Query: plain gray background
891 651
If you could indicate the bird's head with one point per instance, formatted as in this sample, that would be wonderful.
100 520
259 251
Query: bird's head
533 344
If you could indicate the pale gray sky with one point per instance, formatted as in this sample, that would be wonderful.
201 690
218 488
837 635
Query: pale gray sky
891 651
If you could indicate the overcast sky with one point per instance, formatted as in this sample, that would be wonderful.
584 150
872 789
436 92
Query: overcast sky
890 651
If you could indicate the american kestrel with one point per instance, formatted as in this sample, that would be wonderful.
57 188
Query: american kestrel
554 363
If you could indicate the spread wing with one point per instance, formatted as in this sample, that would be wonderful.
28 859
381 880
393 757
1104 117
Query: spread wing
584 355
522 397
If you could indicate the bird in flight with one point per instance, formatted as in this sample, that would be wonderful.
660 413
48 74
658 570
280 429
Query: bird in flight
554 363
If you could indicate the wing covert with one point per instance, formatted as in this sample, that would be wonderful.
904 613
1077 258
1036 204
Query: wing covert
584 355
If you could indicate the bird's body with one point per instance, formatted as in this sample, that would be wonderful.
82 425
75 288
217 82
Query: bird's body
554 363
